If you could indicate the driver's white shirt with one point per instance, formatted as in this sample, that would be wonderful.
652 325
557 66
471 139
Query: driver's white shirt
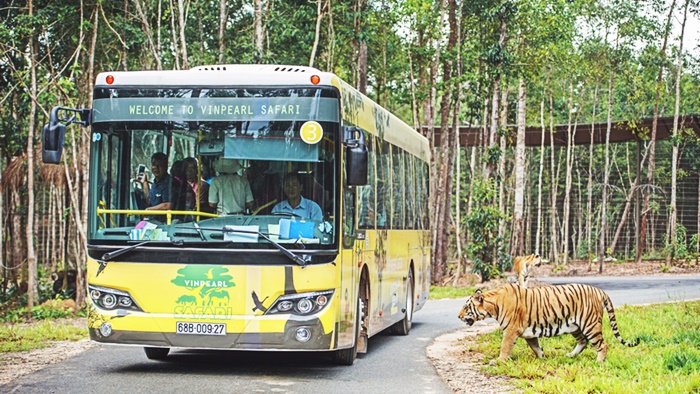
307 209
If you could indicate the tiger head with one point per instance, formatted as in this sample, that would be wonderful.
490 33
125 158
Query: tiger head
473 310
534 259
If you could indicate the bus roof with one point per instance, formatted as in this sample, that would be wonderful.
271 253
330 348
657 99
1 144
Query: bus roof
360 110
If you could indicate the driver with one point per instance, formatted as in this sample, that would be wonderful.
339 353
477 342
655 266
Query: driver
295 203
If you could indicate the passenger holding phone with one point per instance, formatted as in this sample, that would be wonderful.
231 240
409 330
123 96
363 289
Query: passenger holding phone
158 194
140 195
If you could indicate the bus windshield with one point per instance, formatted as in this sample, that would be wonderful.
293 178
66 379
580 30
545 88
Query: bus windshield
221 168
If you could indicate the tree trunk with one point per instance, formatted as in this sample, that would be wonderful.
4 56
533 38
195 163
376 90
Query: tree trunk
652 142
444 200
223 20
258 38
3 232
495 98
82 175
518 208
140 11
173 31
458 208
554 175
570 149
362 68
490 170
33 292
589 188
16 241
673 214
319 18
606 177
182 18
503 121
429 119
538 249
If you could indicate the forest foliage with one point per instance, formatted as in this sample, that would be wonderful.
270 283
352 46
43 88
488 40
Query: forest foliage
496 66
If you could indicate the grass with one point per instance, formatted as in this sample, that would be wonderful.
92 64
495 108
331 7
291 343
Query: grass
666 361
23 329
21 336
440 292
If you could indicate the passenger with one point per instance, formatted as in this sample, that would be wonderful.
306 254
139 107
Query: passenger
229 193
199 188
295 203
159 193
183 196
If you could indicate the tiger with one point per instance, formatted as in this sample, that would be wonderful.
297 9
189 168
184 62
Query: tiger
575 309
522 266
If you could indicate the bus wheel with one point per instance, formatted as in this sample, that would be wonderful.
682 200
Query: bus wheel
404 326
348 356
156 353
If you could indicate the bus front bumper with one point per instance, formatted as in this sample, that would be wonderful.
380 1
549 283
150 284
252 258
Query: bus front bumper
297 335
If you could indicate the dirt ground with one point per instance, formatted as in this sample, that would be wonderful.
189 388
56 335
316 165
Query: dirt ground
458 367
14 365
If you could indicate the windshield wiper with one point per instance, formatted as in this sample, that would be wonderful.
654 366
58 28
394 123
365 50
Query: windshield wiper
111 255
199 231
226 229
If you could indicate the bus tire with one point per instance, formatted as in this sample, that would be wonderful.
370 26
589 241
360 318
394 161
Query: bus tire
403 326
348 356
156 353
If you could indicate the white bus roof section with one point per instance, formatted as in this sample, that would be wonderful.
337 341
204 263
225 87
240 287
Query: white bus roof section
223 75
358 108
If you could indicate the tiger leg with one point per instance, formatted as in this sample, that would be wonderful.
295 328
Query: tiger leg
535 346
582 343
595 336
509 338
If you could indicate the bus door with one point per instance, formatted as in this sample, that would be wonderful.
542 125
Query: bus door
350 258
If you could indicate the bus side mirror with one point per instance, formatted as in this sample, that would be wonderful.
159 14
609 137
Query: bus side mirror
355 157
52 140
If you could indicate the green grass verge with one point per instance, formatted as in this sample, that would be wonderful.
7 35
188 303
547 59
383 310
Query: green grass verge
22 336
666 361
440 292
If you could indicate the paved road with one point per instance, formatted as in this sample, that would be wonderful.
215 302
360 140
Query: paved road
393 365
640 289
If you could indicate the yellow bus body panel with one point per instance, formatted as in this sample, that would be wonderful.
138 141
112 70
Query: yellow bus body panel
231 294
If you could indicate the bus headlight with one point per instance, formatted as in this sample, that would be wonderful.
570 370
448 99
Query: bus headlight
305 306
111 299
302 303
285 306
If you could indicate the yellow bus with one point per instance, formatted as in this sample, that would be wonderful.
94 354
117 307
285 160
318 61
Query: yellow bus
250 207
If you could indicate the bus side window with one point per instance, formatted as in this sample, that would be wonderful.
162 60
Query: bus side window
383 184
398 189
367 202
410 179
348 217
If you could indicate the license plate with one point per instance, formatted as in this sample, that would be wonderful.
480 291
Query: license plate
200 328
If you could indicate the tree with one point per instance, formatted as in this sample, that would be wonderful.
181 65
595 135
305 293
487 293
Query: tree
673 216
652 142
446 158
